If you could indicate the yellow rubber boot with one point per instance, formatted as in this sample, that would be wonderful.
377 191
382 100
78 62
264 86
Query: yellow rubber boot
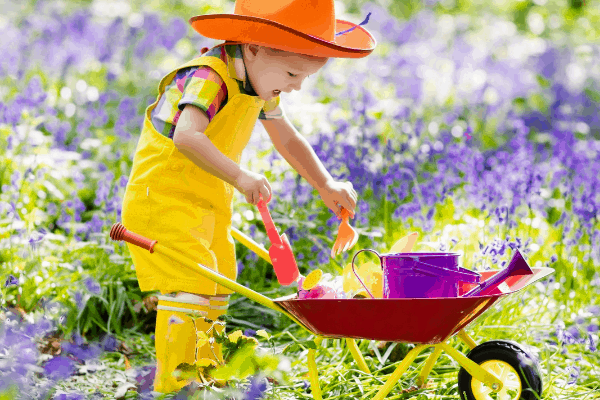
175 336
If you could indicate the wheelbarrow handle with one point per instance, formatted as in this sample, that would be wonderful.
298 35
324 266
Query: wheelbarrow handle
119 232
251 244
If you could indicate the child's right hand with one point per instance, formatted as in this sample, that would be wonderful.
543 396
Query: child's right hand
251 185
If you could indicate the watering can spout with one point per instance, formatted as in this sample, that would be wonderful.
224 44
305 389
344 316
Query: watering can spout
517 266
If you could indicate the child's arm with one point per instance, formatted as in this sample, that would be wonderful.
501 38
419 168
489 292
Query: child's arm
189 138
301 156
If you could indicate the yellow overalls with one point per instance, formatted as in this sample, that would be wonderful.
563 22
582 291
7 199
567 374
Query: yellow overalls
170 199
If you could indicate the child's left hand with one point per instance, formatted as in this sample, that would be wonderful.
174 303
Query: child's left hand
337 194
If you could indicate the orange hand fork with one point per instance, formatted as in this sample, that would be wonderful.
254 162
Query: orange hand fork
346 237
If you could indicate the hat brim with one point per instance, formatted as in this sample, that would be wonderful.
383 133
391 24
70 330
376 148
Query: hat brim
357 43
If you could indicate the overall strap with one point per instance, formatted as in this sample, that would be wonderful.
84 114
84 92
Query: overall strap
215 63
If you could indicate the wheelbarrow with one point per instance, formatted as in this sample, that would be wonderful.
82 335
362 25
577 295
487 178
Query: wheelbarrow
498 369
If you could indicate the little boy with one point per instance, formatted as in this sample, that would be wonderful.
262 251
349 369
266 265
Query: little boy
186 163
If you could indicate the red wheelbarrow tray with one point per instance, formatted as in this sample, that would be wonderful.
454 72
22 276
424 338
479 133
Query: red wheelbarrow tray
416 320
422 320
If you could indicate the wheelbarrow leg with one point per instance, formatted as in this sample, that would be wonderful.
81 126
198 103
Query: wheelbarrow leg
356 354
473 368
464 336
313 373
401 369
422 378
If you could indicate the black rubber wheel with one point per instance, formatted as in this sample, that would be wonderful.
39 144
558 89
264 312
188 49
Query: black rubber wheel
518 369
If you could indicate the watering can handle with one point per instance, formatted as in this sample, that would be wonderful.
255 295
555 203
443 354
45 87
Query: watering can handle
358 277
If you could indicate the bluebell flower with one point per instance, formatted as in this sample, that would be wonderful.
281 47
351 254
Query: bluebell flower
594 309
123 181
258 387
79 300
59 368
574 374
93 286
249 332
574 332
430 213
11 280
35 239
95 225
80 350
70 396
592 345
145 378
110 343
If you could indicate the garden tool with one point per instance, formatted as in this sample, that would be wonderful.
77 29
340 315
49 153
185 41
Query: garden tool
516 267
371 273
346 237
280 252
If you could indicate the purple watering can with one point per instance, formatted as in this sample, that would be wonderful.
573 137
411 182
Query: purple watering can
420 275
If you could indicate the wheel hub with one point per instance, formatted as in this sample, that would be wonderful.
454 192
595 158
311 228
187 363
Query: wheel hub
511 384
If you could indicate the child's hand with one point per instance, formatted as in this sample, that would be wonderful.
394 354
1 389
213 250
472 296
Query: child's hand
339 194
252 185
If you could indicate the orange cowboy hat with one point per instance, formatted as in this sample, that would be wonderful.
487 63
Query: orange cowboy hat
299 26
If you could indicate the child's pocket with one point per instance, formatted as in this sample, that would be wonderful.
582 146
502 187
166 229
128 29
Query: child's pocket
136 210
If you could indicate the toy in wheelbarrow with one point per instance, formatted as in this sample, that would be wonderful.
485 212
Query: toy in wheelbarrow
427 299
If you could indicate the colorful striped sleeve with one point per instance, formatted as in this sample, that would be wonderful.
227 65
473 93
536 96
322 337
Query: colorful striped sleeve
204 89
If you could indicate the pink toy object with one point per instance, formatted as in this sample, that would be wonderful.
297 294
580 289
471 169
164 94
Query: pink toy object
280 252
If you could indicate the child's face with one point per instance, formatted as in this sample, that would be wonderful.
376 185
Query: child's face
274 71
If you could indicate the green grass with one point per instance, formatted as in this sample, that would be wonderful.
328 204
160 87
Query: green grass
529 317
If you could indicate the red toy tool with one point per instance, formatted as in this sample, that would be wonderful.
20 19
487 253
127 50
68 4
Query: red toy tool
280 251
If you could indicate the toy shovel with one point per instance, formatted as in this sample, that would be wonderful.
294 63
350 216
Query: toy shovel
280 251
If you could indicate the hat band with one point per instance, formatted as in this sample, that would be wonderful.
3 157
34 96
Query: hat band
354 27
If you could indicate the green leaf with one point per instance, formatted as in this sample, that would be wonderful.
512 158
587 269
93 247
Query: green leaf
545 83
310 344
291 348
185 371
593 94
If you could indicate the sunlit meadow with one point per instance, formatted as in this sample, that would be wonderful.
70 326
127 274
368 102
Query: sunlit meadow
475 124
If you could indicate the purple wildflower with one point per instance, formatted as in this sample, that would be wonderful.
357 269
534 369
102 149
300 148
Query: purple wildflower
11 280
258 387
592 344
59 368
82 351
109 343
93 286
145 378
574 374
